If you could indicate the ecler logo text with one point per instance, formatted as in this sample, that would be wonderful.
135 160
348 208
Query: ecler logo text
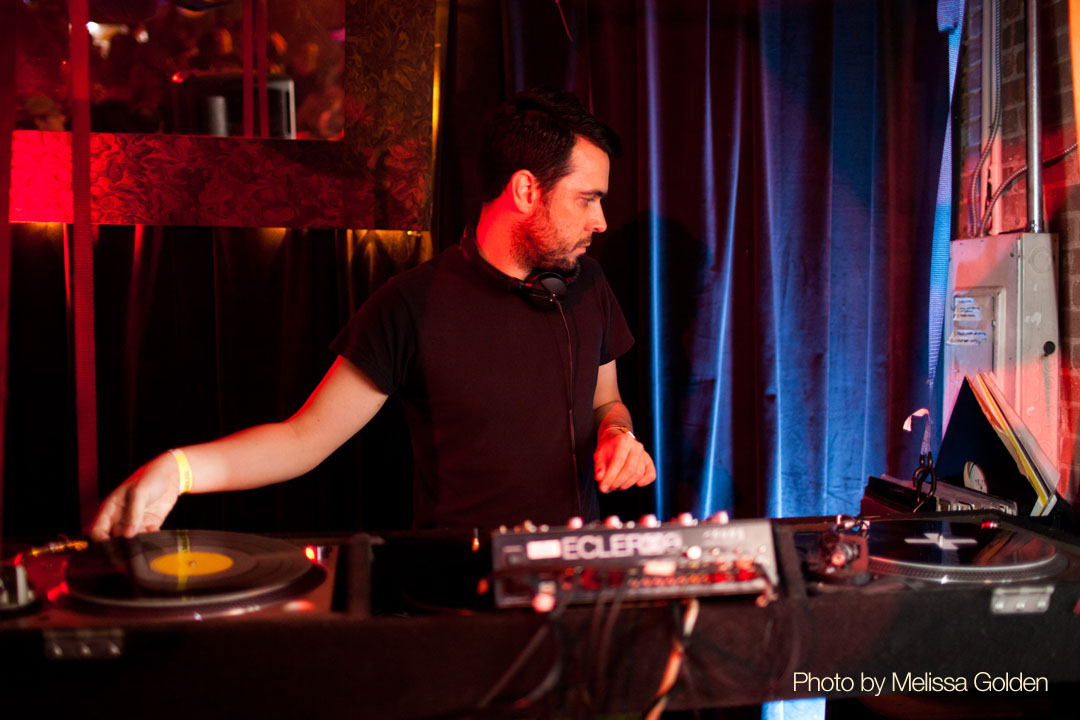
619 545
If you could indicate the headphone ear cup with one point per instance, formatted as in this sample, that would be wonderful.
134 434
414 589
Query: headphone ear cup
545 290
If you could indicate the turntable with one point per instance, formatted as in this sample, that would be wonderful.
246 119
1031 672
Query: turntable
184 573
950 551
930 551
175 576
258 626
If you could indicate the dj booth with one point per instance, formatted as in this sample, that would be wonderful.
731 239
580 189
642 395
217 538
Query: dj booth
979 609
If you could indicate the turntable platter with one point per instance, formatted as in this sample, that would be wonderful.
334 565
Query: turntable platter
965 551
201 571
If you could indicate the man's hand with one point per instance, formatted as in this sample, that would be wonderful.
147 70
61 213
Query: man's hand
621 461
141 503
342 404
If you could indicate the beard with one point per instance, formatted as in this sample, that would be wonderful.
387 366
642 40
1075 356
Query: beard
536 245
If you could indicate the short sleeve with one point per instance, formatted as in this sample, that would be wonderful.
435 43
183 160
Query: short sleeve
380 339
617 336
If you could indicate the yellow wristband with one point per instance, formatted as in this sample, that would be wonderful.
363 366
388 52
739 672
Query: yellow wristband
185 470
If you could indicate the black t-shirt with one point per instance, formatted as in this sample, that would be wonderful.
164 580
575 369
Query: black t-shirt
484 377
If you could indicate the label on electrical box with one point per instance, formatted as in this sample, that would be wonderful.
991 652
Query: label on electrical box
965 310
964 336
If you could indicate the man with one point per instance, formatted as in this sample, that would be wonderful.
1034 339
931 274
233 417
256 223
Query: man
502 350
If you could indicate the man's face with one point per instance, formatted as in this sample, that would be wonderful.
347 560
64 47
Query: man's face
559 229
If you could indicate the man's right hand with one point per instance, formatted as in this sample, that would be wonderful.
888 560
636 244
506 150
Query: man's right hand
141 503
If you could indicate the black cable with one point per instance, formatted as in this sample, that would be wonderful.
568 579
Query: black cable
591 659
661 697
590 662
995 126
690 686
673 670
515 667
604 646
527 652
550 680
432 608
570 399
1005 186
764 672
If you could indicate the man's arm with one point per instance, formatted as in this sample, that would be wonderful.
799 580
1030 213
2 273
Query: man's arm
620 460
344 402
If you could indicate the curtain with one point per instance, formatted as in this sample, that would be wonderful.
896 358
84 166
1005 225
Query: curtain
769 224
769 232
200 332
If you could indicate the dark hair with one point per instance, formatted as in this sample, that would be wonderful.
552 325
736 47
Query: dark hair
536 131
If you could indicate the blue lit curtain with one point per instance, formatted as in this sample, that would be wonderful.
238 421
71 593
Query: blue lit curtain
769 223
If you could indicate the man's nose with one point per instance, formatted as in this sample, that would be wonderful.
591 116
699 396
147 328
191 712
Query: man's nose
599 222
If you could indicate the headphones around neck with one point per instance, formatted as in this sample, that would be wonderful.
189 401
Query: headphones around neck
544 289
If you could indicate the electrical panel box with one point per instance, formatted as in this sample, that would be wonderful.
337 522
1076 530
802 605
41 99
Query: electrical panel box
1001 317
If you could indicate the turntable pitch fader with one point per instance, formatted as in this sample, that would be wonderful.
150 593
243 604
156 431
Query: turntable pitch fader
578 563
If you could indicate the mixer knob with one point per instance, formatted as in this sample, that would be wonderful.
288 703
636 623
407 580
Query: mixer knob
543 602
612 522
693 552
575 523
719 518
649 521
685 519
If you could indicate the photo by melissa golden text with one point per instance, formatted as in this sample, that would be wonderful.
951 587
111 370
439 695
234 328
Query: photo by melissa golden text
911 682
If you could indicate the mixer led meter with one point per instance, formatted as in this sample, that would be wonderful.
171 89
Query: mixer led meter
578 563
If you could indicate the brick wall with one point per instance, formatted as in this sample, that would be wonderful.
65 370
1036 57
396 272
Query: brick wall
1061 183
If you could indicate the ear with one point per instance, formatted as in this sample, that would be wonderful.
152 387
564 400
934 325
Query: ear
524 190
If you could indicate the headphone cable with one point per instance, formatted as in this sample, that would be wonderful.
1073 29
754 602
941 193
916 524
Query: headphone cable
570 389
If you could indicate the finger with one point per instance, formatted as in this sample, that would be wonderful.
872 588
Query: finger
631 472
99 529
603 457
600 458
134 510
642 467
153 520
618 481
618 460
650 472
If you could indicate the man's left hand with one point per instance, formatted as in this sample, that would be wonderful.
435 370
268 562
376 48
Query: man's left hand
621 461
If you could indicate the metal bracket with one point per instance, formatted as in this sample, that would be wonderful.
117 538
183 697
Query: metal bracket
105 644
1021 600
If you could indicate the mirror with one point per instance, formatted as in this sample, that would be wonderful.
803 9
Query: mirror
176 67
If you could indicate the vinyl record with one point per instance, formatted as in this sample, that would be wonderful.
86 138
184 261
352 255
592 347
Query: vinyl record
188 570
960 551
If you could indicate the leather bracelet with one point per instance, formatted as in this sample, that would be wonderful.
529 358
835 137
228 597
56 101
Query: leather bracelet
620 428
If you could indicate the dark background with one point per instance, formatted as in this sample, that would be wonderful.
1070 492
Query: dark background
769 228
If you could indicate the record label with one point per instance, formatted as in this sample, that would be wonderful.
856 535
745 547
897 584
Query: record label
185 564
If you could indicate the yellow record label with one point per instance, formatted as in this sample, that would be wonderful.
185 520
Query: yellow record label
187 564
